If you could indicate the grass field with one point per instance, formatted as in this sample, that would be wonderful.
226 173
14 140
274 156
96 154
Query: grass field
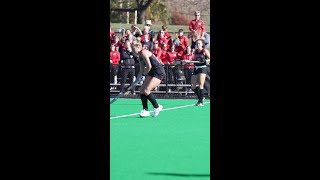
173 146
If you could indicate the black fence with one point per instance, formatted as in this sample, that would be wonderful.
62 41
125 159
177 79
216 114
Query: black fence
176 85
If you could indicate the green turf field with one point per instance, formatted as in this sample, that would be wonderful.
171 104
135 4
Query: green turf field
175 145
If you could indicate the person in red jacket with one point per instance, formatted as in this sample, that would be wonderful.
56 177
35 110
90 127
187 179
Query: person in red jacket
111 35
188 68
182 42
114 63
170 57
197 29
163 56
162 39
197 25
157 52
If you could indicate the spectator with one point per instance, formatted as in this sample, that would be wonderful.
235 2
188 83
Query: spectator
157 52
146 43
161 38
128 36
114 63
116 41
197 29
197 25
112 33
163 56
182 42
188 67
206 40
151 33
127 66
170 57
135 30
166 33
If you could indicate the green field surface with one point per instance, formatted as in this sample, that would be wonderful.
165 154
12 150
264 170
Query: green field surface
173 146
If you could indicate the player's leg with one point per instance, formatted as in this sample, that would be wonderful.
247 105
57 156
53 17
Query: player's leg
194 83
153 83
202 78
144 98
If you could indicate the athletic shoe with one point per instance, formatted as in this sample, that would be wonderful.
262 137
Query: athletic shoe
156 111
199 104
144 113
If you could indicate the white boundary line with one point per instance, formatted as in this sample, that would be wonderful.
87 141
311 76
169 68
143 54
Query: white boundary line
116 117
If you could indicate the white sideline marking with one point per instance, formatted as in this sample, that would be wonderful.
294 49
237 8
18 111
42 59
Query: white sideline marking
151 111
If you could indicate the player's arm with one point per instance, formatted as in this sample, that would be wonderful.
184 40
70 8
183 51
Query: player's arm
207 54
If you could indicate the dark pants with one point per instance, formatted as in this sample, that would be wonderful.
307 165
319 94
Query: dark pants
126 73
188 74
114 71
169 74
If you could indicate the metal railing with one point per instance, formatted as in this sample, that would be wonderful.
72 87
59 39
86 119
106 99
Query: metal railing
176 84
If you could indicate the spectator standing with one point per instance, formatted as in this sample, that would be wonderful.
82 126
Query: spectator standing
114 63
188 68
182 43
197 28
151 32
170 57
127 66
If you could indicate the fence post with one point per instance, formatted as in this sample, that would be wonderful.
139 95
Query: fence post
167 80
135 16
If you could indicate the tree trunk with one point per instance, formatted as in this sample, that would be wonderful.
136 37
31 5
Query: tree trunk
141 14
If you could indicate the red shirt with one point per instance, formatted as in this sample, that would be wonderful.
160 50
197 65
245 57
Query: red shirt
166 35
157 53
184 42
115 57
111 36
170 57
163 40
197 26
142 38
188 57
163 56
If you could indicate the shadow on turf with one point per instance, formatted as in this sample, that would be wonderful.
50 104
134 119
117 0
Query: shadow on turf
178 174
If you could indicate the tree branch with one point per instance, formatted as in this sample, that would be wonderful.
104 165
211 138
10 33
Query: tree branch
144 7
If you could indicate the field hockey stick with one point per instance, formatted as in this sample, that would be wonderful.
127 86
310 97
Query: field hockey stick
128 89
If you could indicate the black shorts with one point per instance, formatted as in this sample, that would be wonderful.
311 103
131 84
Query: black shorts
158 73
203 70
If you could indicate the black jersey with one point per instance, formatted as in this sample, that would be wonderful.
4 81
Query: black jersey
199 56
154 62
157 69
